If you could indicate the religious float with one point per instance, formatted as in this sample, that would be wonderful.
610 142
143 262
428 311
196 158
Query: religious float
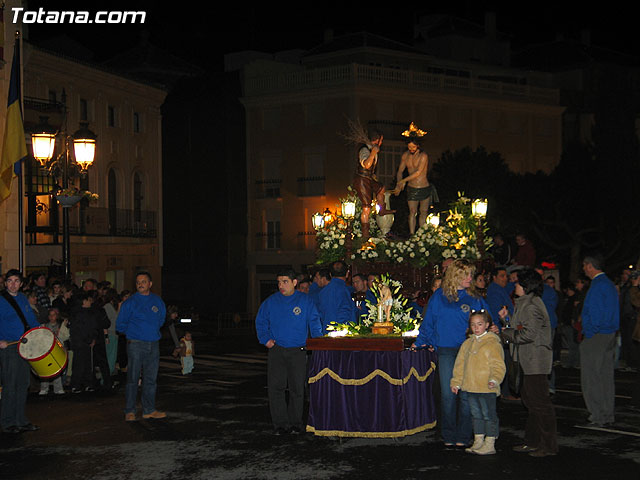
365 380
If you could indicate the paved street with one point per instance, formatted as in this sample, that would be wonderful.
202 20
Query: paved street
218 427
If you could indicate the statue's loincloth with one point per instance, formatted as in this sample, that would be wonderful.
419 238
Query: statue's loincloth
422 193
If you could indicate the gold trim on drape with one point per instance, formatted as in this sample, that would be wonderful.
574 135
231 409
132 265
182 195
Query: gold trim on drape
341 433
377 372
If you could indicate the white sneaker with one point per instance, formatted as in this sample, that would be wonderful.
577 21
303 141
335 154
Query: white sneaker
43 392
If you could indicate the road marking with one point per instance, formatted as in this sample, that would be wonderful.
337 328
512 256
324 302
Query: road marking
580 393
610 430
210 360
222 382
229 358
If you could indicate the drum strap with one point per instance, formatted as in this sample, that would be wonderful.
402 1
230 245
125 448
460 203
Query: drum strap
12 301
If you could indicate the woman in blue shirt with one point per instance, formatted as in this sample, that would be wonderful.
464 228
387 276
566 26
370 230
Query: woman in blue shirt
444 329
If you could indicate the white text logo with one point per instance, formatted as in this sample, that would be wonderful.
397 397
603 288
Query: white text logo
53 16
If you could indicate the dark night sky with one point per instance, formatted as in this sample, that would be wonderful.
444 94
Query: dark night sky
203 33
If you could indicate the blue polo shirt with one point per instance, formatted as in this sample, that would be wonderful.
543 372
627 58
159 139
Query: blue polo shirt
141 317
601 310
446 322
11 327
336 304
288 320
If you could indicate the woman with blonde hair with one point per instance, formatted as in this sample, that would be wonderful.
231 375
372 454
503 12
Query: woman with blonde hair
444 329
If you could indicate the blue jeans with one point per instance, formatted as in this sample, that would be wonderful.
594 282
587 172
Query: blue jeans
483 413
455 416
143 359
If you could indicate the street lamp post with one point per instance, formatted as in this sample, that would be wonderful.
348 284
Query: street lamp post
43 141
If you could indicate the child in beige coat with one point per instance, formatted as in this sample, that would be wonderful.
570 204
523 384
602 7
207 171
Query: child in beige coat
477 373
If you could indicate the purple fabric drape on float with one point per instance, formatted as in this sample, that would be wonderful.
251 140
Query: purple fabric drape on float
371 394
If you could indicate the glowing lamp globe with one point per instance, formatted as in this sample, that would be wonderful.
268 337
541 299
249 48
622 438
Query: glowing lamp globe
84 146
317 220
479 207
43 141
348 209
327 216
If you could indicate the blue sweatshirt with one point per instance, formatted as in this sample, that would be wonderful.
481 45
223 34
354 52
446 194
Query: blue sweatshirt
288 320
363 312
446 323
141 317
11 327
601 310
550 300
336 304
497 297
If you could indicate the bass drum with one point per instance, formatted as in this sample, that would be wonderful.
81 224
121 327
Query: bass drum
44 352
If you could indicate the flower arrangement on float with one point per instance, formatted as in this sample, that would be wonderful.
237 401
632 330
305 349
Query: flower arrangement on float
388 315
456 237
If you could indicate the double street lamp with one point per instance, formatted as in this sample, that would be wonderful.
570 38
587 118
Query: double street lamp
43 141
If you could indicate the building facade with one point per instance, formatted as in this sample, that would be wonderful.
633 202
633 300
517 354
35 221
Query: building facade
122 232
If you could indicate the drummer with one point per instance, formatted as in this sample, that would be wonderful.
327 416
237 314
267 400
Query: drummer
15 370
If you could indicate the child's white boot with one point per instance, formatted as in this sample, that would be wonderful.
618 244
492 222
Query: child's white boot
478 440
488 447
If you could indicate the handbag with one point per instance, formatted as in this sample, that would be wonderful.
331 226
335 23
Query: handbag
514 376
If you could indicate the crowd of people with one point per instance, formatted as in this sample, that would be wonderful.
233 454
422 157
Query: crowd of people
84 318
488 329
106 334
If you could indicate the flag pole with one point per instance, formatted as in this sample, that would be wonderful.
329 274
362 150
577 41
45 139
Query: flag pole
16 47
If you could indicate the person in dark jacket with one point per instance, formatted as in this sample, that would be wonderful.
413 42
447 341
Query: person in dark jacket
84 331
100 348
531 341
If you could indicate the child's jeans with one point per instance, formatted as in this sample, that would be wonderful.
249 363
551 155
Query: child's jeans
483 413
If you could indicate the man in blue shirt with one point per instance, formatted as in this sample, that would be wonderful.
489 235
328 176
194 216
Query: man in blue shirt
600 322
15 370
335 303
360 295
499 299
140 319
282 325
550 300
498 295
